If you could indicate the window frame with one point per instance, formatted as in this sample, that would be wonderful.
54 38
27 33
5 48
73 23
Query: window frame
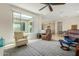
20 20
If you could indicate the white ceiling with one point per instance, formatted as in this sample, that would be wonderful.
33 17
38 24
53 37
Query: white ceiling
67 10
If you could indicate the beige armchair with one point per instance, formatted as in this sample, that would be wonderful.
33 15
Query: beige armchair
20 39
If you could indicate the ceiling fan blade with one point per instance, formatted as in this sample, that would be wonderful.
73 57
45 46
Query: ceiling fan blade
50 8
43 8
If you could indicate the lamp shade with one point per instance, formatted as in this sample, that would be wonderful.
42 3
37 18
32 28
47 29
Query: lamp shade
43 31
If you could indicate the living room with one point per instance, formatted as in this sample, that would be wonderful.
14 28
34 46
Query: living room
28 19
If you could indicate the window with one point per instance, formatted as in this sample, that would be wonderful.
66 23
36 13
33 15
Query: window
22 22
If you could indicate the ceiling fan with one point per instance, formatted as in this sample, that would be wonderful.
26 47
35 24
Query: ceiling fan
49 5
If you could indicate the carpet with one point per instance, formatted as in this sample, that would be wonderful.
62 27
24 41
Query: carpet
40 48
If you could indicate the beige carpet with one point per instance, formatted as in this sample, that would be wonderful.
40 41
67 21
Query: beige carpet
40 48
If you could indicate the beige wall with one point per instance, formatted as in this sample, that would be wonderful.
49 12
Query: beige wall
6 23
68 21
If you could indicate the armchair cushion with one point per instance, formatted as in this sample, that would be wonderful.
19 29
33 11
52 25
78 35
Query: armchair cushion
20 39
